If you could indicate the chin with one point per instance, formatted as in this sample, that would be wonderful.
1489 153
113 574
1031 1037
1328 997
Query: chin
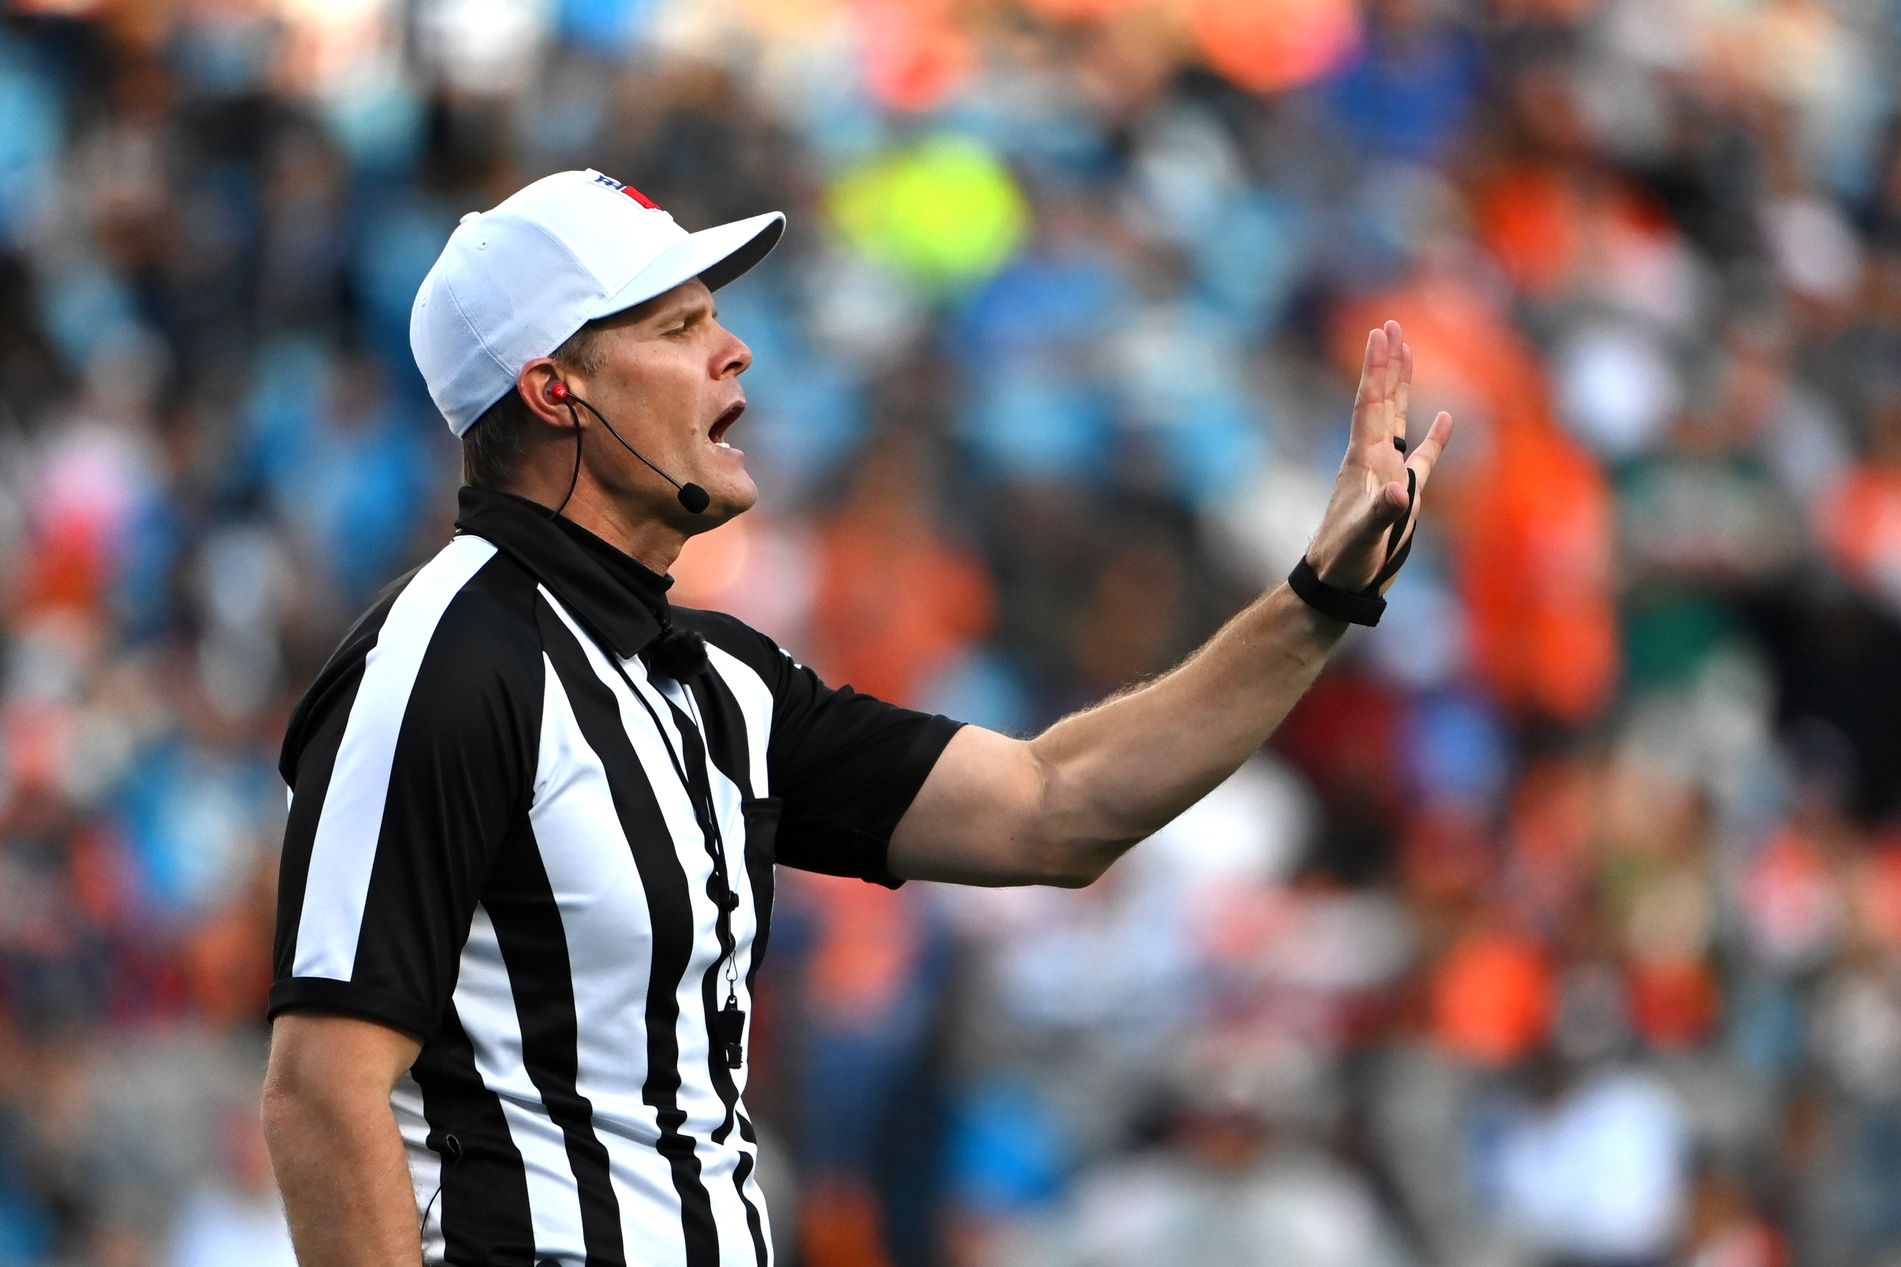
729 498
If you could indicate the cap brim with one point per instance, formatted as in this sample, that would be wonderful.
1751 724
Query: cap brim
715 256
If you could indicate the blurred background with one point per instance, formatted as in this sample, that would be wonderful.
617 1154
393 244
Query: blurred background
1559 927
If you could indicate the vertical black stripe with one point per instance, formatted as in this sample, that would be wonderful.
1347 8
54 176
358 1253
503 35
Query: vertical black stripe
669 909
461 778
725 742
742 1171
484 1200
534 945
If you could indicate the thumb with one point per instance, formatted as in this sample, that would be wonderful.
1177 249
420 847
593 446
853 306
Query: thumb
1376 516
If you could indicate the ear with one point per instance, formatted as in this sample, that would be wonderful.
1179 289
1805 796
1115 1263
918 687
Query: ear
533 384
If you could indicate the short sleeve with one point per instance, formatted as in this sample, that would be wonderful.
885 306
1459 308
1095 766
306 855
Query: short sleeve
409 762
847 766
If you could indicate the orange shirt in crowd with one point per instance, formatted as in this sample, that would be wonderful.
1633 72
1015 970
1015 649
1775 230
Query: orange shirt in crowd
894 600
1860 523
1492 996
1524 507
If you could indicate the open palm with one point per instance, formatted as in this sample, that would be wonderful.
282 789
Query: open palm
1374 493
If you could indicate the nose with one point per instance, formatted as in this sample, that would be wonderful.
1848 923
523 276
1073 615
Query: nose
735 357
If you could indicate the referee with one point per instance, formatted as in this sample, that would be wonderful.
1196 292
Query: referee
535 809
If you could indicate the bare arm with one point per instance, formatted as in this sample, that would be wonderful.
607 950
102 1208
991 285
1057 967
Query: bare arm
334 1143
1059 808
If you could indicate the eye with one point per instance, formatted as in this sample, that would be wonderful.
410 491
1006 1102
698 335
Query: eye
689 322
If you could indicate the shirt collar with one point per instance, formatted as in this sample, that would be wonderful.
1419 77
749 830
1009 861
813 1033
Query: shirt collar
621 602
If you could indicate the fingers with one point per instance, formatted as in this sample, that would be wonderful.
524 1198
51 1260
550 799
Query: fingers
1403 395
1395 348
1389 377
1395 499
1369 402
1395 355
1386 375
1427 451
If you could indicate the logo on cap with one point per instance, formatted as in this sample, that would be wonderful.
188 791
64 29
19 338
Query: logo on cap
627 189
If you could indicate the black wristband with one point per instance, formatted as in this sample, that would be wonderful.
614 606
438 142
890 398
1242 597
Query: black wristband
1358 609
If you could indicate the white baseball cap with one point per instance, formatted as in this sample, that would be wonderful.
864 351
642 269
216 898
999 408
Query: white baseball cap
515 281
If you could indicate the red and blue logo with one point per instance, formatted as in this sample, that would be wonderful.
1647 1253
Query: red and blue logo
629 190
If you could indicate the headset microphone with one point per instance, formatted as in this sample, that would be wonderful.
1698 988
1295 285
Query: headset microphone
691 496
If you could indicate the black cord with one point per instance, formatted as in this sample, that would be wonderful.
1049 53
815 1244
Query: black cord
453 1148
575 478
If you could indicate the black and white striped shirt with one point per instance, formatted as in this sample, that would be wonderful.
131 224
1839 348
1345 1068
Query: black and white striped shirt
512 837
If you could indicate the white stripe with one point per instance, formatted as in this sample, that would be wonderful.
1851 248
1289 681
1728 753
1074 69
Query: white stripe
755 706
485 1002
425 1168
753 695
610 941
611 1012
754 698
703 1107
598 890
343 853
718 1161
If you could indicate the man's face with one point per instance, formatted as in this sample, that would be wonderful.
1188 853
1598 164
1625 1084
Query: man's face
668 379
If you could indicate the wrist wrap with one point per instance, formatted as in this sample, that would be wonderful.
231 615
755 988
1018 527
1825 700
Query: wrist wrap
1365 607
1359 609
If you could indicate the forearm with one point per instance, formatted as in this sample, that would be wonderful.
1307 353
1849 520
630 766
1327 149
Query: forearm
345 1181
1119 771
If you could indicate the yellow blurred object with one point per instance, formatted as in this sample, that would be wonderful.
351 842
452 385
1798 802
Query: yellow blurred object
945 211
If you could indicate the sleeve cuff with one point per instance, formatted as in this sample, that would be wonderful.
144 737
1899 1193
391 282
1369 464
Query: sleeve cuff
327 994
863 850
920 755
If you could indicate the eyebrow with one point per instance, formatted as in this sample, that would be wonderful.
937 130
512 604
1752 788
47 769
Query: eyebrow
688 311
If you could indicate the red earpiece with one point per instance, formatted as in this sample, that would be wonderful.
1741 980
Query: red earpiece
558 390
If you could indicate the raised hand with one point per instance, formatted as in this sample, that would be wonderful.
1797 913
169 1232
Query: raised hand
1370 495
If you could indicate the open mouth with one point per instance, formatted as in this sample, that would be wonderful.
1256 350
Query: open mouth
718 432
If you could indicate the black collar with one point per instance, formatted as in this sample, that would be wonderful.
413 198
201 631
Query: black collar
620 602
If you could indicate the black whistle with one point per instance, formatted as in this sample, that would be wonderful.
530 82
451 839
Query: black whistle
730 1027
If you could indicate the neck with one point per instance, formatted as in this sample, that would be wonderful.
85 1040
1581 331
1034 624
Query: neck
635 531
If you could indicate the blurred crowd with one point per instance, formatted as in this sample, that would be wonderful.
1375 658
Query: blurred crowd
1559 927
